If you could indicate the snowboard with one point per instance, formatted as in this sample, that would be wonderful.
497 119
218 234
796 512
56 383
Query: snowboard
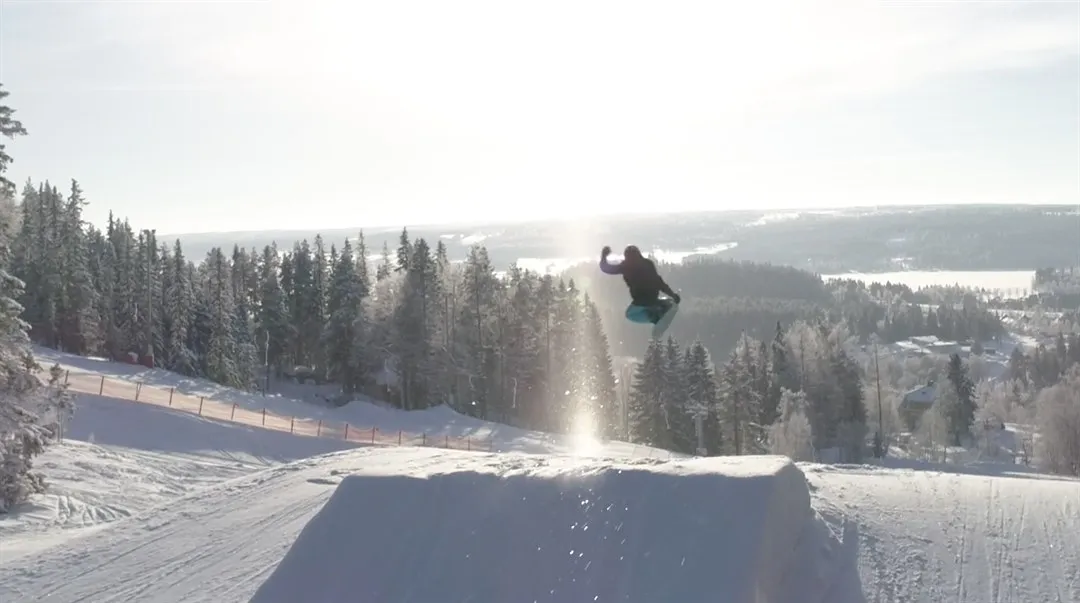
662 325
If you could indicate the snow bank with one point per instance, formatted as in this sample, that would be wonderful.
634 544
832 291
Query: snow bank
108 421
517 528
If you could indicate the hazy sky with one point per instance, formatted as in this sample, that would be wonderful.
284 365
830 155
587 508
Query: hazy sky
216 115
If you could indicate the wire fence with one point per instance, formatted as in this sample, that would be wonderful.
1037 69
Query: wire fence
91 383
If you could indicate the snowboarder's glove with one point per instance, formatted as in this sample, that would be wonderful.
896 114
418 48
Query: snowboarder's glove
676 298
606 251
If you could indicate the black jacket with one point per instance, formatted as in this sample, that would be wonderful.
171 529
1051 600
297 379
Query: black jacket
641 277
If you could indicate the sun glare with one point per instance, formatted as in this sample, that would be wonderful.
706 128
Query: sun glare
583 440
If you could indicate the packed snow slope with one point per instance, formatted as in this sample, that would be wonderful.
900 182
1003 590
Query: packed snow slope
308 402
418 525
120 458
929 536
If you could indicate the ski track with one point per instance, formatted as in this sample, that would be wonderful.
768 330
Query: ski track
208 558
929 536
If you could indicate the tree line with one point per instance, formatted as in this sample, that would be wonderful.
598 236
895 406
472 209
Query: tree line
412 326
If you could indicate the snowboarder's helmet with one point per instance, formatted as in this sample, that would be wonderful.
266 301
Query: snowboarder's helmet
632 252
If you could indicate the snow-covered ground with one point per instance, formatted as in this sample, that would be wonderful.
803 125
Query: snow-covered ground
940 536
122 458
435 424
164 506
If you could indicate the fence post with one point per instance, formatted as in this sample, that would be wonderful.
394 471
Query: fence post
318 430
372 435
292 424
346 432
447 441
170 395
423 439
138 388
399 437
101 388
232 413
67 374
200 405
264 415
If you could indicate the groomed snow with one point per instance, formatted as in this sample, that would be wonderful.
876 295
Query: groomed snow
931 536
494 528
414 524
157 505
120 458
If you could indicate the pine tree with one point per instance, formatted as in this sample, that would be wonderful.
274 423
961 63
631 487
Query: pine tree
344 330
177 312
701 395
28 409
648 423
9 128
78 320
599 386
960 414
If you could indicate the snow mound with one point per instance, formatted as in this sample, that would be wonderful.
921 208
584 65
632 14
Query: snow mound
516 528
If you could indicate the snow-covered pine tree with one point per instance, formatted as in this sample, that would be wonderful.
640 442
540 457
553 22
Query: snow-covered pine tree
343 329
125 289
701 397
851 426
567 342
790 435
177 312
78 320
273 330
316 321
737 403
9 128
29 412
414 324
223 361
599 377
478 307
385 267
960 414
523 349
648 425
677 410
404 252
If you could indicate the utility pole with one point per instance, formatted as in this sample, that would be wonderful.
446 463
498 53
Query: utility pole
266 362
881 430
150 297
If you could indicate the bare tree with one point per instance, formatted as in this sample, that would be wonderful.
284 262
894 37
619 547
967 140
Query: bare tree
1058 418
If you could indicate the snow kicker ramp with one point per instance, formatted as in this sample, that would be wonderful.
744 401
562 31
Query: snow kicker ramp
498 529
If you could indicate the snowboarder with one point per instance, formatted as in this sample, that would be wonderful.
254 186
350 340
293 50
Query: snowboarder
645 284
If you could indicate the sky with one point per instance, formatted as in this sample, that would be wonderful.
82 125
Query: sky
201 116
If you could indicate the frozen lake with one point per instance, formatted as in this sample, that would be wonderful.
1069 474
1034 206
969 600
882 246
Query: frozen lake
1010 283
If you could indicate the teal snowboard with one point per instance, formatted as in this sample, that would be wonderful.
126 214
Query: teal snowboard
662 325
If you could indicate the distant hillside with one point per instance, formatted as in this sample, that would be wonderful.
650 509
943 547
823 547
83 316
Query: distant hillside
996 237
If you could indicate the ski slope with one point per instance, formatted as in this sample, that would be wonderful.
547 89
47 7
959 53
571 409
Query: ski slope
942 536
121 458
305 402
157 505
